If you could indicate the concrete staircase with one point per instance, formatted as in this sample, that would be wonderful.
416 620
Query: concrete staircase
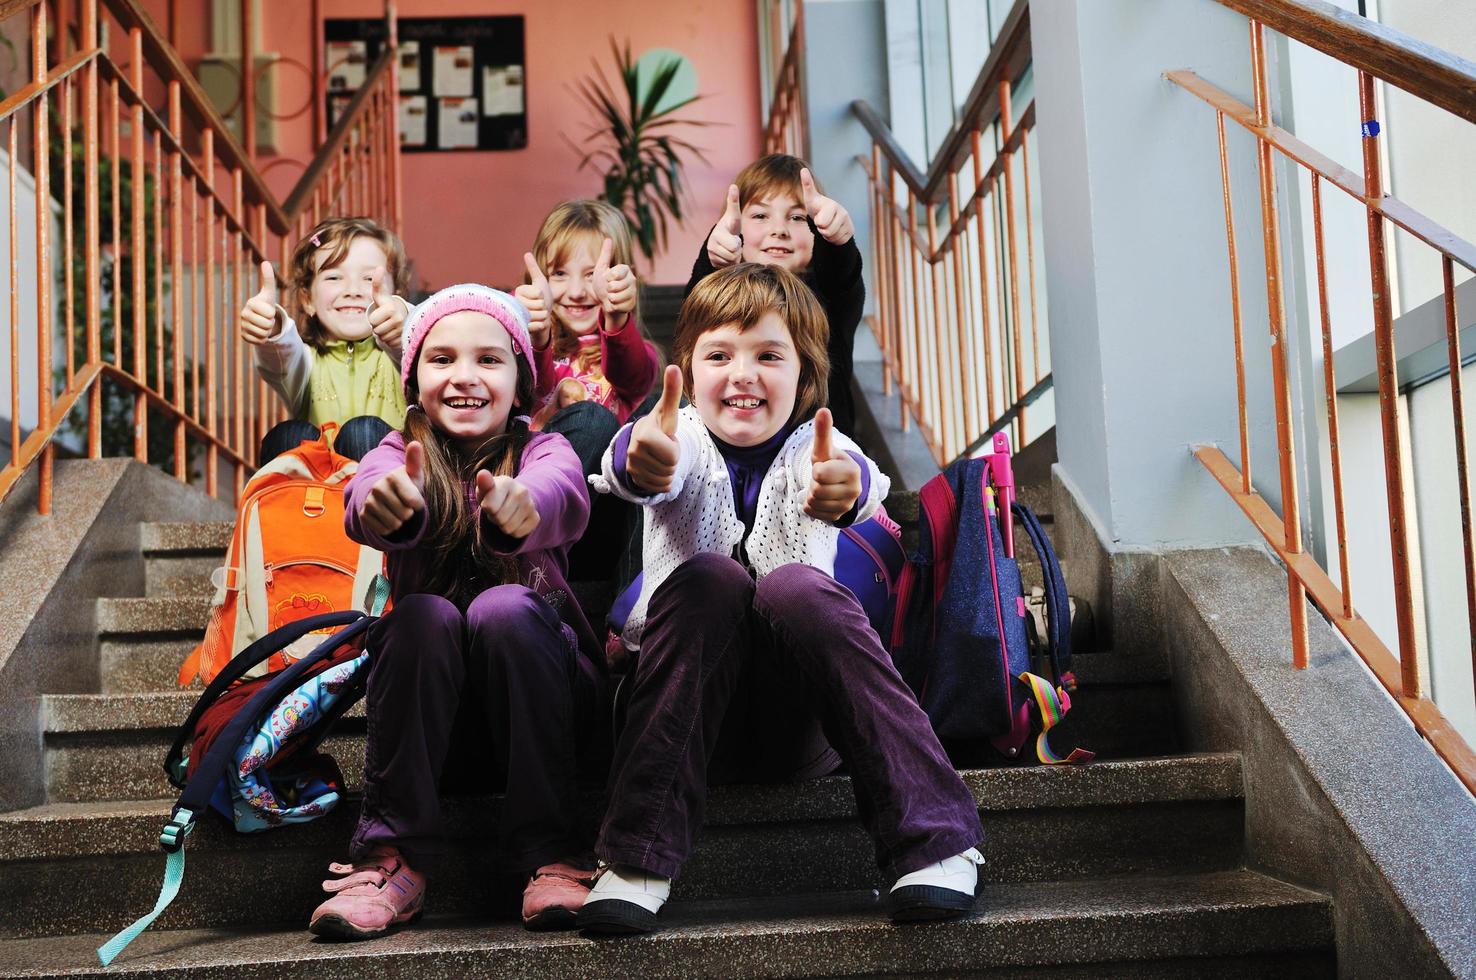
1128 867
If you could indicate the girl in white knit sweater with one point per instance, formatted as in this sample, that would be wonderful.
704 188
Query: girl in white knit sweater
754 663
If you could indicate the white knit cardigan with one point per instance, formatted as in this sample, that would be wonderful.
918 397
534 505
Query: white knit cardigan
698 515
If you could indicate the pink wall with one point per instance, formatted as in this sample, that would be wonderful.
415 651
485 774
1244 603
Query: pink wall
469 216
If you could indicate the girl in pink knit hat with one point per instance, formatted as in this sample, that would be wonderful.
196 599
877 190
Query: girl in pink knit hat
485 670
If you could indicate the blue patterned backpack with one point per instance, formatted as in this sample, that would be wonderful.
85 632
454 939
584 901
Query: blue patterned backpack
249 749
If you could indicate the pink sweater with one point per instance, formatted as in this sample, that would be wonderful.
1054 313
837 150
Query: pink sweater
618 370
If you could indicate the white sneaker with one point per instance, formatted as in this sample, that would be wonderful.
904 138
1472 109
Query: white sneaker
624 900
939 891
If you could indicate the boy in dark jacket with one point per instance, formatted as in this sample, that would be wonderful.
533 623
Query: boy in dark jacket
777 215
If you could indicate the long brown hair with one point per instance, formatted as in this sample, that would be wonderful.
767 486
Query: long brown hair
567 226
463 565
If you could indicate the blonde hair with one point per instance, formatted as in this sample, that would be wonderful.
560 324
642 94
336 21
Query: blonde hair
741 295
464 565
336 235
571 224
768 176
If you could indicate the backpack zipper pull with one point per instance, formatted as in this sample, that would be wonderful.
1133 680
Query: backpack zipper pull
267 573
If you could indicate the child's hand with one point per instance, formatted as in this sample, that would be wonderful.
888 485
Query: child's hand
652 455
259 316
835 479
386 314
832 221
616 288
538 298
507 503
398 496
725 244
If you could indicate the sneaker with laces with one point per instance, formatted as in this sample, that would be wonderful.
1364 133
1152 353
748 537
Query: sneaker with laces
554 894
375 893
940 891
624 900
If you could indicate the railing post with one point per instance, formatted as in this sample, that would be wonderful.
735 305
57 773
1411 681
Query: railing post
91 225
176 276
1373 183
138 252
41 131
1276 313
248 79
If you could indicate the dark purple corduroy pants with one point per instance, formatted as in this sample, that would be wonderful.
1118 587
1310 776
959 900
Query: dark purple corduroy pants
499 688
737 681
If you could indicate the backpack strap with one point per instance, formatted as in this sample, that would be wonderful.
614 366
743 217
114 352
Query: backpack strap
1053 705
1058 605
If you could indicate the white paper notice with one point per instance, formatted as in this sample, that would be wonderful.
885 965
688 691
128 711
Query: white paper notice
409 66
348 62
502 90
337 105
456 124
413 110
453 70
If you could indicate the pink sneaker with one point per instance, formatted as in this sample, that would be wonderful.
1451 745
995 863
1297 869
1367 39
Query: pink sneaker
377 892
554 894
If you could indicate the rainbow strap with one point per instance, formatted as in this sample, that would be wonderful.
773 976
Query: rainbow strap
1053 704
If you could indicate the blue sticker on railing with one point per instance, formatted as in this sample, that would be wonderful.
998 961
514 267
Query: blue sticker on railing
1371 128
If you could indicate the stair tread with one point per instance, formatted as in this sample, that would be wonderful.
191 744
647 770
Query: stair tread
1113 919
132 826
157 537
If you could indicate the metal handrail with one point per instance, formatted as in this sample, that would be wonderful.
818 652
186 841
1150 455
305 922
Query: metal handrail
1440 79
947 265
197 223
786 130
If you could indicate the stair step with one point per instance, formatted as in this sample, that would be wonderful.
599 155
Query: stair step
1126 927
138 665
110 746
1144 816
184 537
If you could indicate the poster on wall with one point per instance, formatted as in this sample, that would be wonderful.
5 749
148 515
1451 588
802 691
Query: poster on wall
413 110
462 80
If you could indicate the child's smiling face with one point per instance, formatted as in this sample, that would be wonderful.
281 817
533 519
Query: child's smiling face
776 231
467 376
341 296
744 381
572 284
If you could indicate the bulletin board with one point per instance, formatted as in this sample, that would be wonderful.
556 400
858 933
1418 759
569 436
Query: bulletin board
463 81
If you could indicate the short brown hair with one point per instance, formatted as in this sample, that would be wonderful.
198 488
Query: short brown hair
336 235
777 173
741 295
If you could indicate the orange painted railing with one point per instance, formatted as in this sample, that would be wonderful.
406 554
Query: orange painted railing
1442 80
163 219
786 131
954 259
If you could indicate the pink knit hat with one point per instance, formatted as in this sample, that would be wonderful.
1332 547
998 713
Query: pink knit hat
454 299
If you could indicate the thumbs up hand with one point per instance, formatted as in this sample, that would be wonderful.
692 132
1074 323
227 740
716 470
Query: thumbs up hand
537 297
398 496
507 503
832 221
259 321
835 479
725 244
653 452
616 288
386 314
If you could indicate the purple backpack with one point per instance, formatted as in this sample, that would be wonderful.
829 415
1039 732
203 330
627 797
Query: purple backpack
959 636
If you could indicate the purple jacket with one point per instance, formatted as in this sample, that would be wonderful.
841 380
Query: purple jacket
550 471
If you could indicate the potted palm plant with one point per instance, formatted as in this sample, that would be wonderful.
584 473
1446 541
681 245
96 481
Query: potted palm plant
633 142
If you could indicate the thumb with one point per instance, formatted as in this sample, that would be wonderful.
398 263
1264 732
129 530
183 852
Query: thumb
268 283
535 274
415 464
380 279
671 399
808 189
485 482
731 214
822 450
602 264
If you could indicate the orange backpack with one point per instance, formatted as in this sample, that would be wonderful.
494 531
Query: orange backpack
288 559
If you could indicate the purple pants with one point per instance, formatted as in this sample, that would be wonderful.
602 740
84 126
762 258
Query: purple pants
500 689
753 682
